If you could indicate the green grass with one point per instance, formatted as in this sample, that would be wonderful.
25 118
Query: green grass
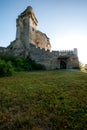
44 100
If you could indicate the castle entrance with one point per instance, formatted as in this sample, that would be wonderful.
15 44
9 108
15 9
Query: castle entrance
63 64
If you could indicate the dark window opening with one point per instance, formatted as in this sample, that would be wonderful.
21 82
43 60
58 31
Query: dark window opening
33 29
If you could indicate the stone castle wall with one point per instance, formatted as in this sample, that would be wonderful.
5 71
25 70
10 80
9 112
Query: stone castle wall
39 39
32 43
52 60
3 50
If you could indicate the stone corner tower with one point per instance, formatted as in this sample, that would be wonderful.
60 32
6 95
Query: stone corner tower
27 34
26 26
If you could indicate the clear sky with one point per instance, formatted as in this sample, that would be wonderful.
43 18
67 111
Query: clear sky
64 22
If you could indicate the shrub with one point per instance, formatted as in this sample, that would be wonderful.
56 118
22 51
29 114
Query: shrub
76 67
85 67
32 65
22 64
6 68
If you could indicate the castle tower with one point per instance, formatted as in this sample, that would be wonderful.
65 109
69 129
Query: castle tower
75 51
27 31
27 34
26 26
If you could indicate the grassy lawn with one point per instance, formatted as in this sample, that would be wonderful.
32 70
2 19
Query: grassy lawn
44 100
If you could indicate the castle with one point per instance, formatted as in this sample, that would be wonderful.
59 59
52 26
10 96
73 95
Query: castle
32 43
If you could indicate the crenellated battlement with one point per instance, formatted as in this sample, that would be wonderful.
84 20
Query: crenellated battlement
66 53
61 53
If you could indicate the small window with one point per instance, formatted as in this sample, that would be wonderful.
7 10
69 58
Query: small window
33 29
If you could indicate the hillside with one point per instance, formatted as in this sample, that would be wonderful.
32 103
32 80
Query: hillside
44 100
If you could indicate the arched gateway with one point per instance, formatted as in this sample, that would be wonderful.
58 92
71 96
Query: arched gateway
63 64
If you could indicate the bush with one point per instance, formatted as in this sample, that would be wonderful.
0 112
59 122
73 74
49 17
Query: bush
32 65
6 68
85 67
22 64
78 68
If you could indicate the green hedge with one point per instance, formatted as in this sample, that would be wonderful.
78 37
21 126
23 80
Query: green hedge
10 63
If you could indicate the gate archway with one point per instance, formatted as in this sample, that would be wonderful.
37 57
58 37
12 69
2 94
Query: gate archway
63 64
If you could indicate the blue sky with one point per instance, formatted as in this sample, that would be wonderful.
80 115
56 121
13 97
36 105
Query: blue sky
64 22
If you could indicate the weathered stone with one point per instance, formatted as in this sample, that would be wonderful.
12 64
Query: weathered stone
32 43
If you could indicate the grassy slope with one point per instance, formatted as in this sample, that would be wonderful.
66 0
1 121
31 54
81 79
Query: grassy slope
47 100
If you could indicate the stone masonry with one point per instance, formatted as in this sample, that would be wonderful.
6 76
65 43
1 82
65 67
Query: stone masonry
33 43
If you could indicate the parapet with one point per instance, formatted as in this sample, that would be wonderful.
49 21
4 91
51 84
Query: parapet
68 52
